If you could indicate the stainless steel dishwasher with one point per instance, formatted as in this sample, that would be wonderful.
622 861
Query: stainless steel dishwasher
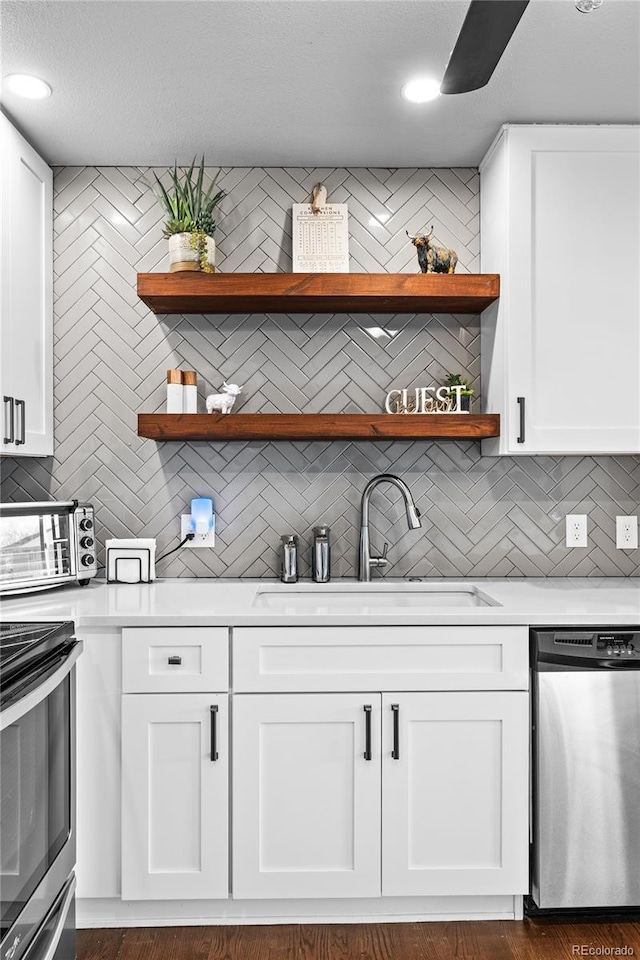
586 768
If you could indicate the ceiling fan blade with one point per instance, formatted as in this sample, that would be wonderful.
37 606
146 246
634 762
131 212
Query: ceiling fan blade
486 31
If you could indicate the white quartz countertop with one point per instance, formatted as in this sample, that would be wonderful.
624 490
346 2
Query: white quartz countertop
199 602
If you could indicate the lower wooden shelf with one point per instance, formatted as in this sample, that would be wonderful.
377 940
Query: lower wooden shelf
318 426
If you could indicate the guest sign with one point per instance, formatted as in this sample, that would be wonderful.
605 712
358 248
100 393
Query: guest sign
425 400
320 240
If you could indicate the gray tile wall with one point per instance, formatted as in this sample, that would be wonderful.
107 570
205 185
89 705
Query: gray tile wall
482 516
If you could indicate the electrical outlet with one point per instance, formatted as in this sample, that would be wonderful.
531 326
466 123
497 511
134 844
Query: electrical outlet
627 533
576 530
200 539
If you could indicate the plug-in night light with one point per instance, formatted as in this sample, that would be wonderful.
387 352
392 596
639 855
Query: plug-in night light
201 515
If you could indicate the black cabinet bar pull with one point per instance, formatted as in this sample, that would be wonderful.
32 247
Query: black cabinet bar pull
23 415
395 753
367 732
214 733
174 661
11 430
22 404
521 405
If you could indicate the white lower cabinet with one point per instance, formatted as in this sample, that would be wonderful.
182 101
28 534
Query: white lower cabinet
454 793
336 793
175 783
452 771
306 811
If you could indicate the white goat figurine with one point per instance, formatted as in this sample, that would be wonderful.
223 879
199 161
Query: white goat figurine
223 401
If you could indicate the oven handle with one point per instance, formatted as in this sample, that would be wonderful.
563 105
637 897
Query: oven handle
18 710
63 910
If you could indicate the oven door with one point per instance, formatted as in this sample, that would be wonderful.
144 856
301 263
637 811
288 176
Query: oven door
37 805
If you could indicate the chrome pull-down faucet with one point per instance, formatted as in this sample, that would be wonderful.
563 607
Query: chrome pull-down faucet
366 561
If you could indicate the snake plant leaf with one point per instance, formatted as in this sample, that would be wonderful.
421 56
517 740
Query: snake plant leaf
220 194
169 202
198 188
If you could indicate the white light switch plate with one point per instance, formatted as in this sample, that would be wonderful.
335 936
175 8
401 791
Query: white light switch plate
200 540
576 530
627 533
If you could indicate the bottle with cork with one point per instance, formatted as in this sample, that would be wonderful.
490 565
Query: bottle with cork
182 391
189 391
174 391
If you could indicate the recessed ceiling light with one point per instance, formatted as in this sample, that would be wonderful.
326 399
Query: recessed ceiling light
586 6
421 90
24 85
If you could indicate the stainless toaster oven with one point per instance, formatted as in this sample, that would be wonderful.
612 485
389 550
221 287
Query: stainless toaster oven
45 545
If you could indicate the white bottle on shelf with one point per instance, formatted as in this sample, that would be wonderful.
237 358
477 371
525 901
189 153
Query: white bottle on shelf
189 391
174 391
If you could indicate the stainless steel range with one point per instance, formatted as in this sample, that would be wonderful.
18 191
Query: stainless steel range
37 790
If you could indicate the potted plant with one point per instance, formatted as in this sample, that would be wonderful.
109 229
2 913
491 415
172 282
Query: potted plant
190 225
464 395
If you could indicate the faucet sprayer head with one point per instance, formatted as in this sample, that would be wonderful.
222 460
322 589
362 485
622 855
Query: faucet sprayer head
413 516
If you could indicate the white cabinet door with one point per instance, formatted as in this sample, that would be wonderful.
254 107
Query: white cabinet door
26 301
560 351
455 793
306 814
175 796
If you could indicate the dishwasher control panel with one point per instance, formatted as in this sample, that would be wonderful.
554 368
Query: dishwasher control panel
617 644
595 644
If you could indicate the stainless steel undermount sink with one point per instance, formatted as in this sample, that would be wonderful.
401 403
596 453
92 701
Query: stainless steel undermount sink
365 597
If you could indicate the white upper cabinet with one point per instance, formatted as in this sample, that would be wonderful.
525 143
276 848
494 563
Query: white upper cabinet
26 300
560 350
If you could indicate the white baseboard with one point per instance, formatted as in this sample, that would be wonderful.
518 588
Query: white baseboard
92 914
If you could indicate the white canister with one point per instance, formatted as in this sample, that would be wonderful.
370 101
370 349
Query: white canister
189 391
174 392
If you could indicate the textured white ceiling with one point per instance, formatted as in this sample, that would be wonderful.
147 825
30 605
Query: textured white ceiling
301 82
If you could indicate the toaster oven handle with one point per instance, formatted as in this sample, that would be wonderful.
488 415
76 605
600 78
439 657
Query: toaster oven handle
20 708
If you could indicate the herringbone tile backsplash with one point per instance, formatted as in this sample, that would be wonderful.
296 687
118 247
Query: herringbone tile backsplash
481 516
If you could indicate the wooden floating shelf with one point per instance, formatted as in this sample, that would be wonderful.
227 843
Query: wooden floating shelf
318 426
169 293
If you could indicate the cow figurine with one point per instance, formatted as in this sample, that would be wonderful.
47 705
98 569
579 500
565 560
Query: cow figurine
433 259
223 402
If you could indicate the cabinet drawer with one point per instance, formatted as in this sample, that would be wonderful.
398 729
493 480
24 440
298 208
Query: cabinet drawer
175 660
380 658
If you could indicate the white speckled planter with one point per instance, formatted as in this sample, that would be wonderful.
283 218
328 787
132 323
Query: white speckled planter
211 252
182 256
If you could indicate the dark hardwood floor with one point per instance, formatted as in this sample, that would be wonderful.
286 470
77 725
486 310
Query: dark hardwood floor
539 939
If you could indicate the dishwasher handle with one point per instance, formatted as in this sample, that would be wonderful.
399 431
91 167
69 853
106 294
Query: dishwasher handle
551 664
